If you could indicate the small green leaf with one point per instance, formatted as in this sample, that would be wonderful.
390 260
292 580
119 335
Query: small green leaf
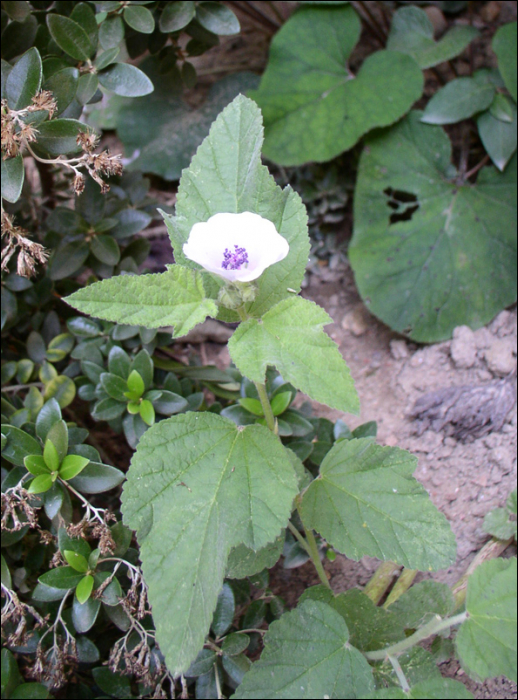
114 386
59 136
113 684
97 478
76 561
67 259
280 402
87 87
24 80
84 614
139 18
147 412
412 33
51 456
176 297
19 445
499 137
307 654
69 36
235 644
111 33
24 371
366 502
224 612
202 664
41 483
58 435
84 15
118 361
71 466
64 577
176 16
133 407
290 336
126 80
135 384
59 347
243 561
105 249
253 406
486 642
236 666
84 588
504 45
35 464
217 18
108 409
501 108
459 99
61 388
12 178
63 86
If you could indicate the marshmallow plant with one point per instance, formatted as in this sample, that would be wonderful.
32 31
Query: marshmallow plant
204 494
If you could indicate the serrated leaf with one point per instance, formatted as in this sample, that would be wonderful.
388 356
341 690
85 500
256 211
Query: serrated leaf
504 45
176 298
366 502
226 175
225 487
307 655
12 178
429 265
412 33
314 108
125 80
290 337
69 36
499 137
457 100
24 80
486 642
243 561
421 602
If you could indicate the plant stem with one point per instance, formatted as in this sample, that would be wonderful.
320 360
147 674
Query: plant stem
380 582
315 556
436 625
298 537
405 580
17 387
275 11
267 409
399 673
374 29
477 167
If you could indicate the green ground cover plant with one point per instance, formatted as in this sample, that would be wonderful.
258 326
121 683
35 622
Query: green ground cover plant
153 580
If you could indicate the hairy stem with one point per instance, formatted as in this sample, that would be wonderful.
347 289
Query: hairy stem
381 581
399 673
405 580
436 625
310 545
298 537
267 409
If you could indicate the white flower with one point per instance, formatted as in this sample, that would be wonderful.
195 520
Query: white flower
238 247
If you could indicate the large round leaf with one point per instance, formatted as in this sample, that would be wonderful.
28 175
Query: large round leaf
431 253
313 106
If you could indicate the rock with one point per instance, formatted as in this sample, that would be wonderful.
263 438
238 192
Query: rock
491 11
437 18
504 324
483 338
463 347
357 321
399 349
500 356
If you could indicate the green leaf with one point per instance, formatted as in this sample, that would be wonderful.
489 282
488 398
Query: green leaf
428 266
17 11
441 688
51 456
24 371
64 577
74 544
84 614
84 588
501 108
59 136
41 483
59 347
147 412
107 409
504 45
30 691
139 18
12 178
105 249
412 33
118 362
236 666
87 87
111 33
114 386
225 487
71 466
307 655
97 478
76 561
459 99
126 80
58 435
61 388
500 522
252 406
10 674
67 259
113 684
235 644
499 137
135 384
69 36
143 364
366 502
217 18
486 642
35 465
176 298
224 612
63 85
314 108
176 16
19 445
291 338
421 602
24 80
280 402
243 561
83 14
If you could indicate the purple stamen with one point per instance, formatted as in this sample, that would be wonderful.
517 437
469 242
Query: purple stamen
234 261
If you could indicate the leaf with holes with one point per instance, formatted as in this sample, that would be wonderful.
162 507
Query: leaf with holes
176 298
314 108
226 486
307 654
430 253
365 501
